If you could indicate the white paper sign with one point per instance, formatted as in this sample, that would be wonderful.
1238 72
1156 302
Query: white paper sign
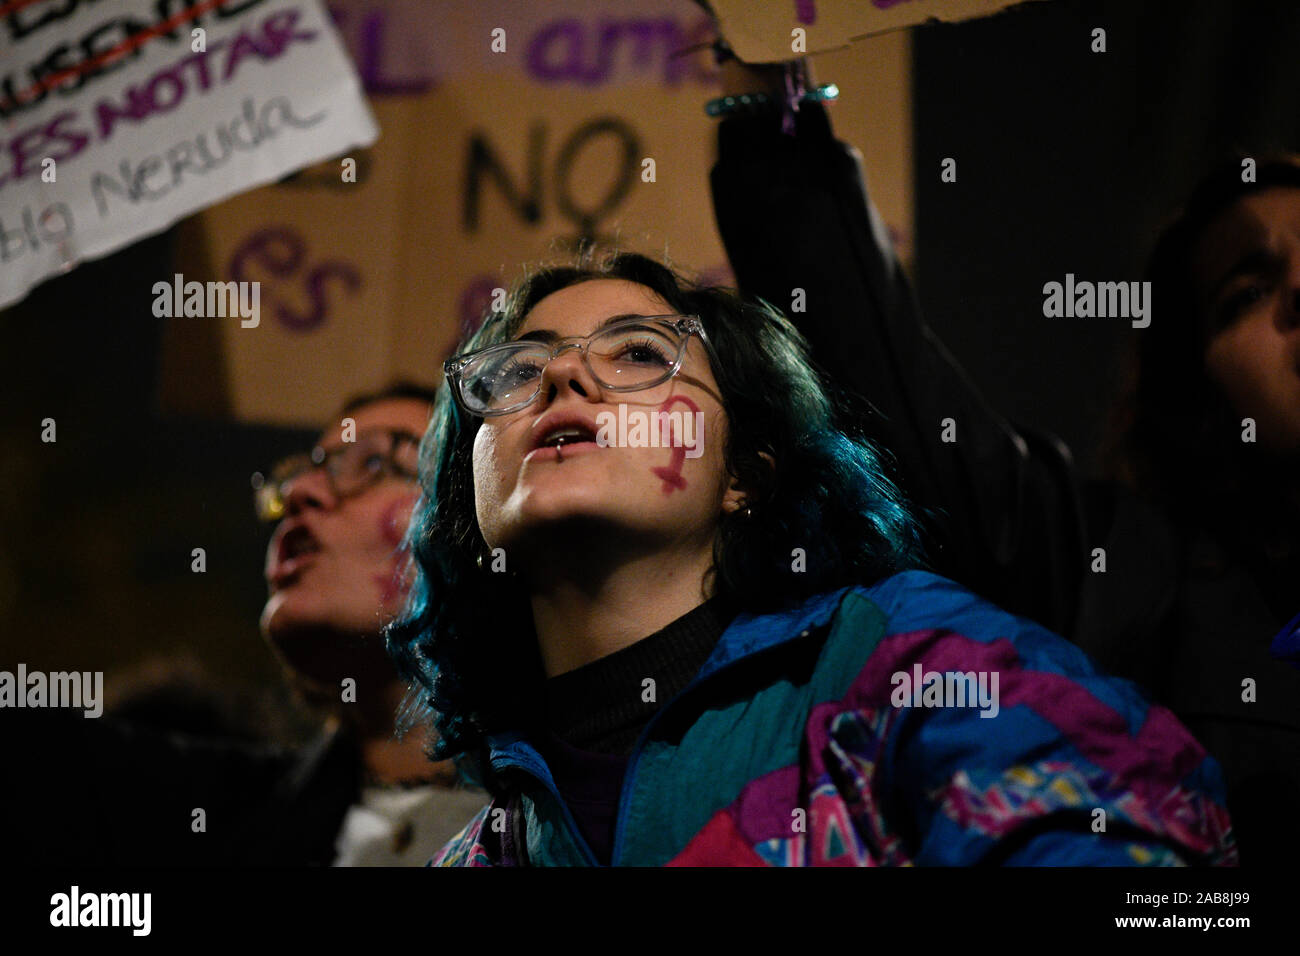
117 119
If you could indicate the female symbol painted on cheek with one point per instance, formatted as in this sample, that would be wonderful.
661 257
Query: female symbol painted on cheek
671 474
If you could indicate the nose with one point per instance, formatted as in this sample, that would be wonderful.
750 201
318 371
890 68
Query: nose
568 372
311 489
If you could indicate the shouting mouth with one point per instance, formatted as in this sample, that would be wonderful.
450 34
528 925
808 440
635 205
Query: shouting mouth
297 549
557 437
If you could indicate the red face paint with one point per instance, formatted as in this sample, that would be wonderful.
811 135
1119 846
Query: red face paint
671 474
393 520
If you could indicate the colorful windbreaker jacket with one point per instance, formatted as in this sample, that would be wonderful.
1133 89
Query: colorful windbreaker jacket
820 736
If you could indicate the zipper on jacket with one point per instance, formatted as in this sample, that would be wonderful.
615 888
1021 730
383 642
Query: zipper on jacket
554 791
629 775
633 758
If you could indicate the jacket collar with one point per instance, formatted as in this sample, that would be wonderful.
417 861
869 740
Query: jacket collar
747 635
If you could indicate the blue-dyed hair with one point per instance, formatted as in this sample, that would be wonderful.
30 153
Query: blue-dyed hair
466 639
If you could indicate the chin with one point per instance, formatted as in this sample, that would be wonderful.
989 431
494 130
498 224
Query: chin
555 525
540 503
288 613
272 612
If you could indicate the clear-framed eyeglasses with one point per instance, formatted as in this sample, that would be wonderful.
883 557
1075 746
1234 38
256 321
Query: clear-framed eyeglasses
626 355
349 469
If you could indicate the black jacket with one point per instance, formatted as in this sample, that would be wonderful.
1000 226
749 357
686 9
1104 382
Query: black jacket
102 792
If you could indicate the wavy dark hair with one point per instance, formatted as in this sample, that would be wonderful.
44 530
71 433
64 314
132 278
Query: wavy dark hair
466 639
1173 437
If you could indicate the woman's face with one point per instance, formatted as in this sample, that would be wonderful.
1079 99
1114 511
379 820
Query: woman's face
1248 264
528 491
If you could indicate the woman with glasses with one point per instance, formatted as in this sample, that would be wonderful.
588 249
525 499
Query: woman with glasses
335 574
730 656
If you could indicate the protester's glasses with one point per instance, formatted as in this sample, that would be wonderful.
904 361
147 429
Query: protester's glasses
349 469
625 355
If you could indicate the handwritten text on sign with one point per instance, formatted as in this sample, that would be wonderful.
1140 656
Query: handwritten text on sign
103 143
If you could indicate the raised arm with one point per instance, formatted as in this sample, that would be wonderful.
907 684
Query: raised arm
793 213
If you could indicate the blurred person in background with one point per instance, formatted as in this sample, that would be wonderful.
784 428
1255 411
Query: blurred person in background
1202 507
336 574
111 791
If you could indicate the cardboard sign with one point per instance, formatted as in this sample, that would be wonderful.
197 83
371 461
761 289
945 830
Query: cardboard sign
783 29
117 119
579 118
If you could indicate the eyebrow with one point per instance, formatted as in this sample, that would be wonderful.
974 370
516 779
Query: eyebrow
548 336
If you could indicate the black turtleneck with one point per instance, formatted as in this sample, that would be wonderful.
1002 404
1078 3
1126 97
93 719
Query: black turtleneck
596 712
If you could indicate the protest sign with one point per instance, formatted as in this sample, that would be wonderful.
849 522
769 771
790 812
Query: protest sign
498 149
116 120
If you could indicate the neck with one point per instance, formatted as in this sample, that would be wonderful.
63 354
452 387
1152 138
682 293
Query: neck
372 718
583 617
319 660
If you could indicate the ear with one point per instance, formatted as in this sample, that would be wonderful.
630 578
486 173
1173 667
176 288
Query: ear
738 497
